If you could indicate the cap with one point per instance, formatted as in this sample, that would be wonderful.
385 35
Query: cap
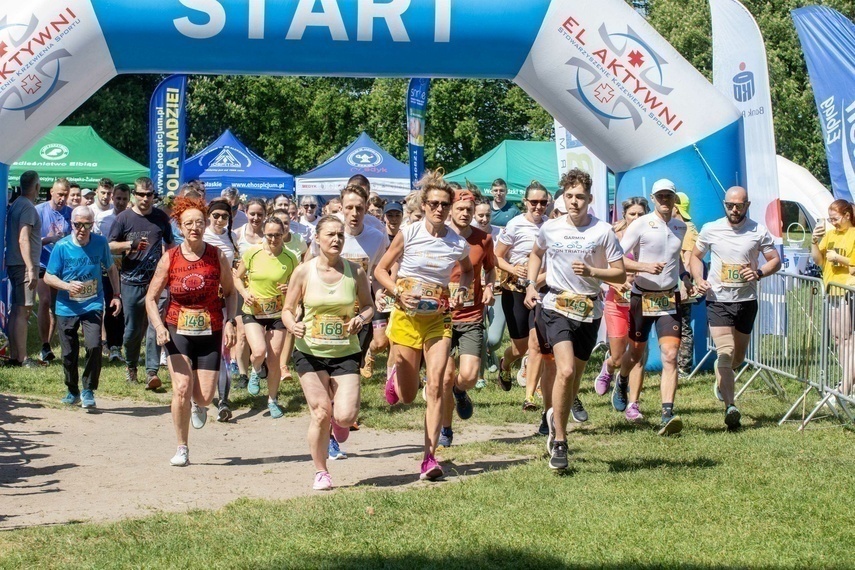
561 205
87 191
683 205
393 207
463 195
663 185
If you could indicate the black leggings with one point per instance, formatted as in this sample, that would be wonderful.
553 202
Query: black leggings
516 314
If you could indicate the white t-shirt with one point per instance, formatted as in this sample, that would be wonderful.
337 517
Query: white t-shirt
428 258
656 242
239 220
730 249
306 232
520 235
494 231
594 244
364 249
306 222
104 221
221 242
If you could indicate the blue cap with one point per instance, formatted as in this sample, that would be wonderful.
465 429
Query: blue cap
393 207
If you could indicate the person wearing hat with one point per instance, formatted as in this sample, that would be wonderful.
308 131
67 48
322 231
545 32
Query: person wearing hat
685 359
654 300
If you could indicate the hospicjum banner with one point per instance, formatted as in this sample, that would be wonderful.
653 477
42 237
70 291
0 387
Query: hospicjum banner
417 98
168 134
828 42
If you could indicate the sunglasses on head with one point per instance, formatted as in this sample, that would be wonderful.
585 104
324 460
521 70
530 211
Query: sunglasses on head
82 225
436 204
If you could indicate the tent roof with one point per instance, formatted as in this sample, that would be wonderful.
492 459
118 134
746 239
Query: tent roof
79 154
517 162
228 162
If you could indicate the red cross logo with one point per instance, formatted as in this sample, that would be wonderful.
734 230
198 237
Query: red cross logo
604 93
31 84
635 58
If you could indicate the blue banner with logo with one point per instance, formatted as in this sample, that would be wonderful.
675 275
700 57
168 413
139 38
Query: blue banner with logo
828 42
168 134
417 97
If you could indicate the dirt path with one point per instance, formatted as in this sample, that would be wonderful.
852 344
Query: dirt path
63 465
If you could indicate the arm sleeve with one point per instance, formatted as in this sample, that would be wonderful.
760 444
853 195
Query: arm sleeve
823 243
117 230
703 241
540 240
631 237
612 246
465 253
507 235
54 266
29 217
767 244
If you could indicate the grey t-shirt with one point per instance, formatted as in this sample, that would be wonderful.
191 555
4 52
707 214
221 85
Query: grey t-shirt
22 213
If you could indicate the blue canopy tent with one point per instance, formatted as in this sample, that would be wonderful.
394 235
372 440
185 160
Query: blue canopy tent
228 162
389 177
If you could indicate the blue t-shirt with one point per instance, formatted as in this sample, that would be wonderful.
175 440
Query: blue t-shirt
70 262
54 222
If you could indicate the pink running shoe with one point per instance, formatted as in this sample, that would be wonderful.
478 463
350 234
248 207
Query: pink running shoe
633 414
323 481
391 394
430 469
603 383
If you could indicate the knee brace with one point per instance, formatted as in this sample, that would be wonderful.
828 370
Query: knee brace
724 346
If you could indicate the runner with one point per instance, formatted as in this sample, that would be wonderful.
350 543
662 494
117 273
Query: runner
655 300
582 252
735 243
194 329
467 319
74 270
502 211
616 310
419 326
248 236
327 349
686 355
295 243
512 253
494 315
309 206
267 269
114 324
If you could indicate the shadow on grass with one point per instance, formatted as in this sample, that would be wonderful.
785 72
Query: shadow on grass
623 465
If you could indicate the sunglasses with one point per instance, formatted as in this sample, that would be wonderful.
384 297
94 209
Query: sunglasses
538 202
272 237
82 225
310 205
218 216
734 205
436 204
144 194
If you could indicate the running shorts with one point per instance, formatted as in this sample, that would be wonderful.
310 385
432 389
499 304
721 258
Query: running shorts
667 326
22 296
468 338
739 315
537 322
583 336
340 366
274 324
415 331
617 319
204 352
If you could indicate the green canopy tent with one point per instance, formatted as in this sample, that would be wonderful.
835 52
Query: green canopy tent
78 154
517 162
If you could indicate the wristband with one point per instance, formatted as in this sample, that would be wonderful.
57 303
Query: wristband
685 274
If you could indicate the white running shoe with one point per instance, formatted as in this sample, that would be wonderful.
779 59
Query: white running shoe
198 416
521 374
181 457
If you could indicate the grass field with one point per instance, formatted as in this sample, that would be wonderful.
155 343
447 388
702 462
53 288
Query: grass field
766 497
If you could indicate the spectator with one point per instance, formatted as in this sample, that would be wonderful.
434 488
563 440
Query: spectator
309 207
75 197
503 211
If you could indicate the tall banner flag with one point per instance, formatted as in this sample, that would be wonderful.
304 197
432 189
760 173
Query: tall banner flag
740 72
168 134
828 42
573 154
417 97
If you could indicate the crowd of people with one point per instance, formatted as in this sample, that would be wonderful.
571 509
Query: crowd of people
224 290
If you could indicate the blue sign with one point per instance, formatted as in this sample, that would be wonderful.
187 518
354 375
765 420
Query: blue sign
168 134
417 97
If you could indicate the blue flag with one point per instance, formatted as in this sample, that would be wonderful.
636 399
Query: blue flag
417 97
828 42
168 134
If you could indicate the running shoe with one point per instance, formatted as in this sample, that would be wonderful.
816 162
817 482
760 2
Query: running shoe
253 387
544 427
578 412
262 372
163 358
446 436
242 382
670 425
275 410
480 384
633 414
323 481
30 363
550 433
504 377
116 354
131 375
87 399
71 399
390 393
334 451
234 371
198 415
224 413
521 373
367 371
152 382
619 397
462 403
603 381
105 351
732 418
340 433
430 469
181 457
716 389
47 354
558 457
529 405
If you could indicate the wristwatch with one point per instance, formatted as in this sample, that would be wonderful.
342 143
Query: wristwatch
232 322
759 274
528 282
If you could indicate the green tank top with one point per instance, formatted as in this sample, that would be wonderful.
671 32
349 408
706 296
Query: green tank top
264 272
328 309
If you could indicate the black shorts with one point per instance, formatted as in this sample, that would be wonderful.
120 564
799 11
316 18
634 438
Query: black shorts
468 338
204 352
666 325
275 324
739 315
516 314
563 329
380 321
341 366
537 323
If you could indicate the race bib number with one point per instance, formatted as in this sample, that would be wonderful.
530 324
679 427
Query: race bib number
730 275
194 322
361 261
329 330
574 306
432 298
89 291
658 304
268 308
468 299
622 298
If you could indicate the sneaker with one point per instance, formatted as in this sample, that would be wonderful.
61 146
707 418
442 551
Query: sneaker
105 351
181 457
163 358
234 371
224 413
30 363
446 436
340 433
71 399
603 381
276 411
252 386
550 430
670 425
633 414
521 374
47 354
334 451
577 411
558 457
152 382
87 399
544 427
262 372
732 418
480 384
116 354
198 415
390 393
323 481
462 403
529 405
504 377
716 390
430 469
131 375
242 382
619 397
367 371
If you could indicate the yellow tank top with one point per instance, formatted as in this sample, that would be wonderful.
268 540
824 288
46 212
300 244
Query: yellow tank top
328 309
